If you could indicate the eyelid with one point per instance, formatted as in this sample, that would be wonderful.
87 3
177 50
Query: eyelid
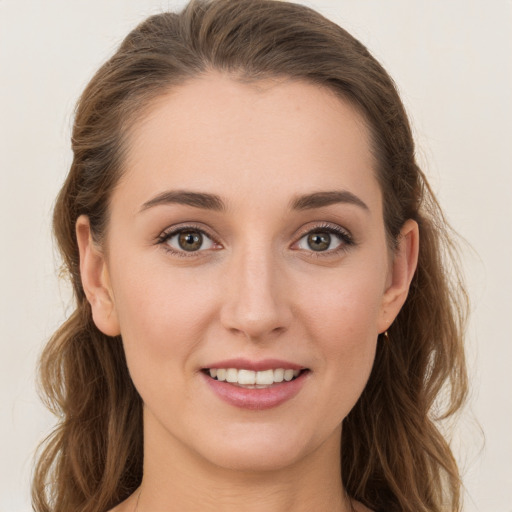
172 231
343 234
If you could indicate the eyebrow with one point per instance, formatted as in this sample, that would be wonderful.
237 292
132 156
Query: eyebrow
214 202
196 199
320 199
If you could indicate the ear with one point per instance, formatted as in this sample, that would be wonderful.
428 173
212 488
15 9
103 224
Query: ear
96 280
402 268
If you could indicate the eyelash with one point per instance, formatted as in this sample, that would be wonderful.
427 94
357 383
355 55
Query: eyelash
346 239
342 234
165 236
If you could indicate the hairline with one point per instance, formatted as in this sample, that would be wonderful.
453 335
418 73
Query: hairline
139 107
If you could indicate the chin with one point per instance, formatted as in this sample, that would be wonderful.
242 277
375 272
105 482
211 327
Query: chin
259 459
261 449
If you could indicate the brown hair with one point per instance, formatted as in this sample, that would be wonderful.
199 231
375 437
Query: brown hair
394 457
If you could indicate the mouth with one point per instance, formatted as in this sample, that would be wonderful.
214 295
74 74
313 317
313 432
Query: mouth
251 379
255 385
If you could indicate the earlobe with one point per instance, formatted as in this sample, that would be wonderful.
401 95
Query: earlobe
402 270
96 280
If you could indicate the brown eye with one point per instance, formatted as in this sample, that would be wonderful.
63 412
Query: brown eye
325 239
187 240
319 241
190 240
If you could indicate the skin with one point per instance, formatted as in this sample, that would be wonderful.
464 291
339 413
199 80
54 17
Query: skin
256 291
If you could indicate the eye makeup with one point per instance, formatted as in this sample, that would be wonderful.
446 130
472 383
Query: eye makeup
321 235
190 240
321 240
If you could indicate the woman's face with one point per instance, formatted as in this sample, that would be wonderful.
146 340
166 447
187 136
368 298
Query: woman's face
246 234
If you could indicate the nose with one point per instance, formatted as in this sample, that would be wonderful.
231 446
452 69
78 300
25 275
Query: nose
256 303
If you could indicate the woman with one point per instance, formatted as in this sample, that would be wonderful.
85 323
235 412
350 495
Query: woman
264 317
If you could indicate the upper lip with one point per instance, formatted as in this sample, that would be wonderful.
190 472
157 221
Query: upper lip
263 364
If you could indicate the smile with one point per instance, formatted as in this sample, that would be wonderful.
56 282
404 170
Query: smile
255 385
251 379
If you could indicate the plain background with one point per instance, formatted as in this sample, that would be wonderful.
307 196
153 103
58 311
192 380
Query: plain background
452 61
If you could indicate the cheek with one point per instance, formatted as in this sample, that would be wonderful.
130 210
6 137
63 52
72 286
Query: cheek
347 335
163 314
344 305
342 322
162 318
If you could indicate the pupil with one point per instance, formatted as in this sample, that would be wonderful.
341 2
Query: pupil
319 241
190 240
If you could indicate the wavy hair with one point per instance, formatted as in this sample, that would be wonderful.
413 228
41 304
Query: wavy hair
394 456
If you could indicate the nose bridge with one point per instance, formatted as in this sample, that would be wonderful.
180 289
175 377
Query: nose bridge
255 305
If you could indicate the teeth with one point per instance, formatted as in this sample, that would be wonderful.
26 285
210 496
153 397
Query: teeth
265 378
231 375
288 375
279 375
247 377
251 378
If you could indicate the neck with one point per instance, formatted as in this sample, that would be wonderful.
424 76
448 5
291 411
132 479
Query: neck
177 479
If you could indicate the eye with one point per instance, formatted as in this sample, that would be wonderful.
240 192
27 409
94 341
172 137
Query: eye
185 240
325 239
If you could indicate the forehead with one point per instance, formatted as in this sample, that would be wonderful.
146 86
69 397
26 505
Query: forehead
222 135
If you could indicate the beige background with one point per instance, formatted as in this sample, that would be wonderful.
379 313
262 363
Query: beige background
451 59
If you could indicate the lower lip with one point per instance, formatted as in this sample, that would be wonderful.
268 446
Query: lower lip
256 399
